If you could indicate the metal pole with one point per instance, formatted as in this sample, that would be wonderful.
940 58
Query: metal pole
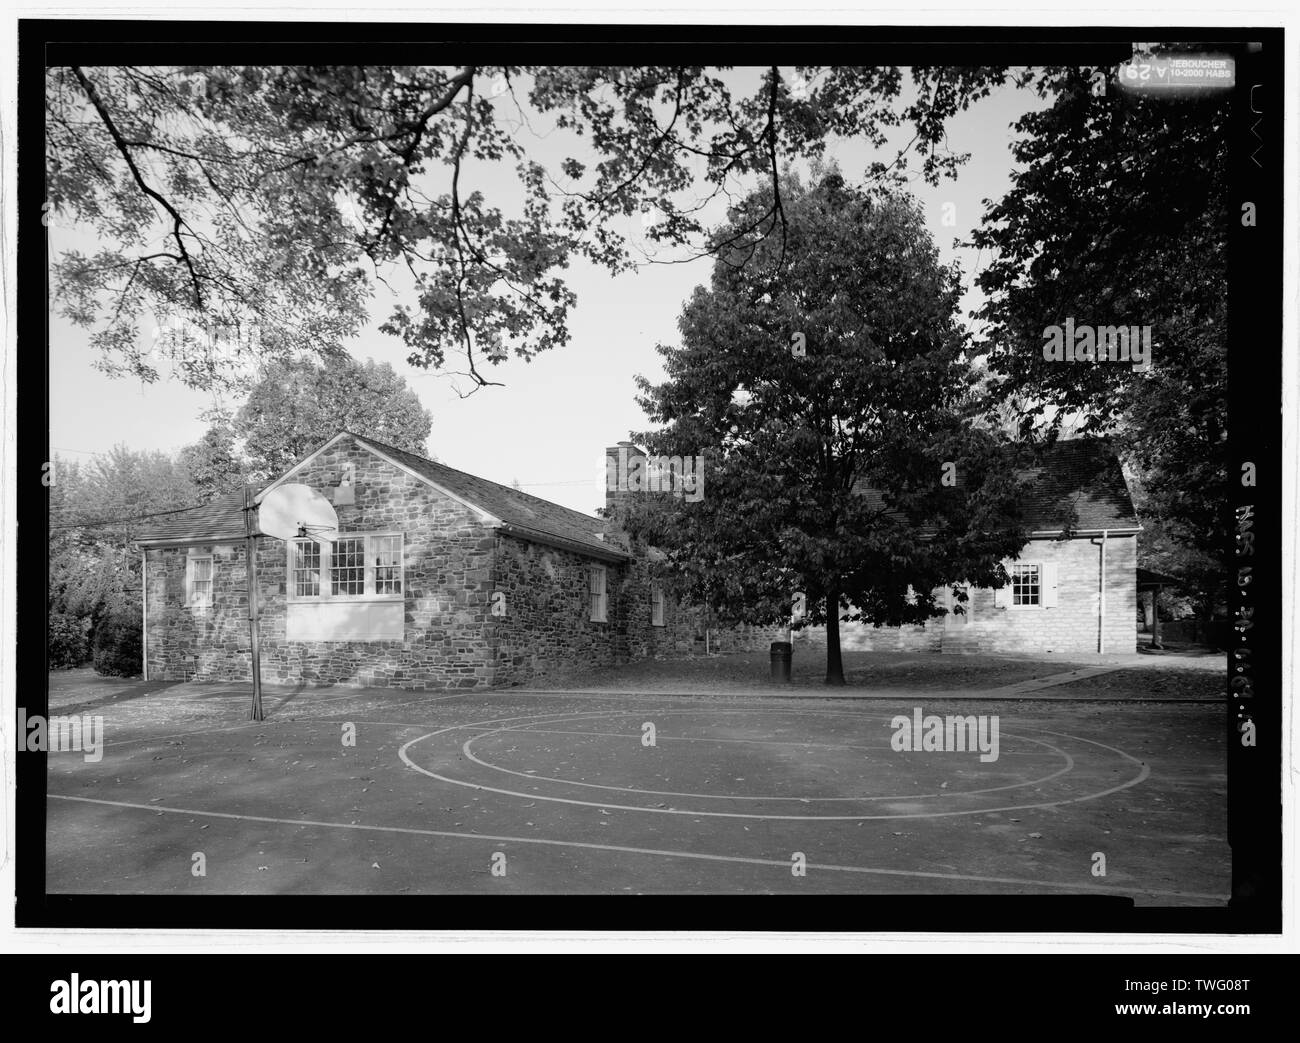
250 559
1101 603
144 613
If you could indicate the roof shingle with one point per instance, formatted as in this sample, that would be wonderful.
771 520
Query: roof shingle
222 519
1083 473
527 516
522 512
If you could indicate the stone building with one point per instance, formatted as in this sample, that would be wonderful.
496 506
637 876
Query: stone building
442 580
1074 585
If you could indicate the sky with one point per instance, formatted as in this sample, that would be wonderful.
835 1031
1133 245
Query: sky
548 427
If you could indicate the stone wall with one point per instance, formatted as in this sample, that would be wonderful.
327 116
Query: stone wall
447 556
547 625
454 564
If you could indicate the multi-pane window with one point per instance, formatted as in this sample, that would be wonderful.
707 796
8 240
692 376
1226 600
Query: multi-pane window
1026 585
386 552
656 606
200 576
306 569
348 565
352 566
596 593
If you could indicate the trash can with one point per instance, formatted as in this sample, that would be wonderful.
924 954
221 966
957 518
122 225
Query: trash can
782 652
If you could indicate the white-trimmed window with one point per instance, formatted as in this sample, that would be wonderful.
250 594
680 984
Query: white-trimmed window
596 593
355 567
656 605
306 568
1026 584
1033 585
198 581
386 556
348 566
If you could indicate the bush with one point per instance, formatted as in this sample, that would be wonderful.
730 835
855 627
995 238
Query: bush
118 646
66 641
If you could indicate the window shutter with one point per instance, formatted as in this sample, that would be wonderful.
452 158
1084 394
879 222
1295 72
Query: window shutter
1002 596
596 592
189 581
1049 585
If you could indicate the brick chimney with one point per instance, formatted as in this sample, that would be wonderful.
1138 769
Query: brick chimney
618 465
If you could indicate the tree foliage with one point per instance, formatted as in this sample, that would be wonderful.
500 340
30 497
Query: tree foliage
215 464
298 405
98 508
95 512
1118 214
824 470
119 645
261 205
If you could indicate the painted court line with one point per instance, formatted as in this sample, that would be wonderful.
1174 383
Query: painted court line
949 794
661 737
560 719
783 864
886 695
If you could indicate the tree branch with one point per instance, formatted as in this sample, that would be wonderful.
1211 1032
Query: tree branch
178 222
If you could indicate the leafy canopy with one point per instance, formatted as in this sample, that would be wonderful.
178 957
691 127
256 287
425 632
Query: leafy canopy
1118 215
825 470
299 405
262 205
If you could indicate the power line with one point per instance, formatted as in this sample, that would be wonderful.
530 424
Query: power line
120 521
538 485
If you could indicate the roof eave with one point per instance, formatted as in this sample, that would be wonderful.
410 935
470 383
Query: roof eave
185 541
563 543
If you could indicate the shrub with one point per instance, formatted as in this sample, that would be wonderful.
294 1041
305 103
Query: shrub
66 641
118 646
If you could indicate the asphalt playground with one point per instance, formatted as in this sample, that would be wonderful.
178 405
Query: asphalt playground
595 791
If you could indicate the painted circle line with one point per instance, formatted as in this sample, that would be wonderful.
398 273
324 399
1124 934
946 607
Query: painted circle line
465 748
404 754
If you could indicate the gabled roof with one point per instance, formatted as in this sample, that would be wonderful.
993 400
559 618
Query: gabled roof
218 521
509 510
1077 483
519 513
1083 474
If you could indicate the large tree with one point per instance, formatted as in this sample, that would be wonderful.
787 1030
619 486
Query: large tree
826 385
1118 215
214 463
260 205
96 510
298 405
